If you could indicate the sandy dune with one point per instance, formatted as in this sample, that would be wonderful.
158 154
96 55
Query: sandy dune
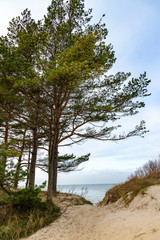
139 221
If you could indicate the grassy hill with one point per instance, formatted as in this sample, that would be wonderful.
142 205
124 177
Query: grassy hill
144 177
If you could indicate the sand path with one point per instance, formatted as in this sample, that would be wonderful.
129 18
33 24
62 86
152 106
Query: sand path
140 221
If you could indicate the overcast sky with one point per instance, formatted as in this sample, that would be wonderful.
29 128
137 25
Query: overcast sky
134 31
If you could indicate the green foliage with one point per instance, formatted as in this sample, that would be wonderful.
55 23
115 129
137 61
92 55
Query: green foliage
69 162
12 146
66 163
85 201
56 69
8 173
22 217
62 64
25 199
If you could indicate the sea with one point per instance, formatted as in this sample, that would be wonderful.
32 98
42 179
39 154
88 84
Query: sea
92 192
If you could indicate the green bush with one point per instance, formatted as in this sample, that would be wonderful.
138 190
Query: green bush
25 199
23 213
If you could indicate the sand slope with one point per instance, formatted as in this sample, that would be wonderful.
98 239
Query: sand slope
139 221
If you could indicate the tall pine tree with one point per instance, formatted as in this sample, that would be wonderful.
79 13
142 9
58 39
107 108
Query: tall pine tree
62 78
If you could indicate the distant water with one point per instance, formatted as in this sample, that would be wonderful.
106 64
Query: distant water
92 192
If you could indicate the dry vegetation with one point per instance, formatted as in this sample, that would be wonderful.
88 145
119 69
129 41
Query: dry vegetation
18 220
65 200
15 223
144 177
22 215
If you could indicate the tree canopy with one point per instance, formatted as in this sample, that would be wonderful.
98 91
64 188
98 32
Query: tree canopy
54 81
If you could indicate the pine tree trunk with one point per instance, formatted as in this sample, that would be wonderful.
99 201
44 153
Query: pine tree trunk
53 160
4 159
28 166
17 172
34 153
19 161
55 163
6 141
50 170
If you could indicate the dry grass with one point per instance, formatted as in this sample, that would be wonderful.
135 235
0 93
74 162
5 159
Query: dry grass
144 177
65 200
16 222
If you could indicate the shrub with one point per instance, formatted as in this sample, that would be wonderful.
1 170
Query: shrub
23 213
25 199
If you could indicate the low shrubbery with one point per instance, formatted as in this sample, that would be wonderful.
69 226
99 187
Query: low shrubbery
23 213
144 177
24 199
82 201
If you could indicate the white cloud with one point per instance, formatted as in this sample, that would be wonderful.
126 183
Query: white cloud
134 31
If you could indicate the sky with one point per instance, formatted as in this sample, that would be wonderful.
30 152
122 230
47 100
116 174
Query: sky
134 32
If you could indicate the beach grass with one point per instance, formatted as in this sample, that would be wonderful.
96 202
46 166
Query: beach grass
144 177
82 201
23 219
17 221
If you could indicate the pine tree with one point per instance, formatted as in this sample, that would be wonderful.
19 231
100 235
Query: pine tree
62 80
